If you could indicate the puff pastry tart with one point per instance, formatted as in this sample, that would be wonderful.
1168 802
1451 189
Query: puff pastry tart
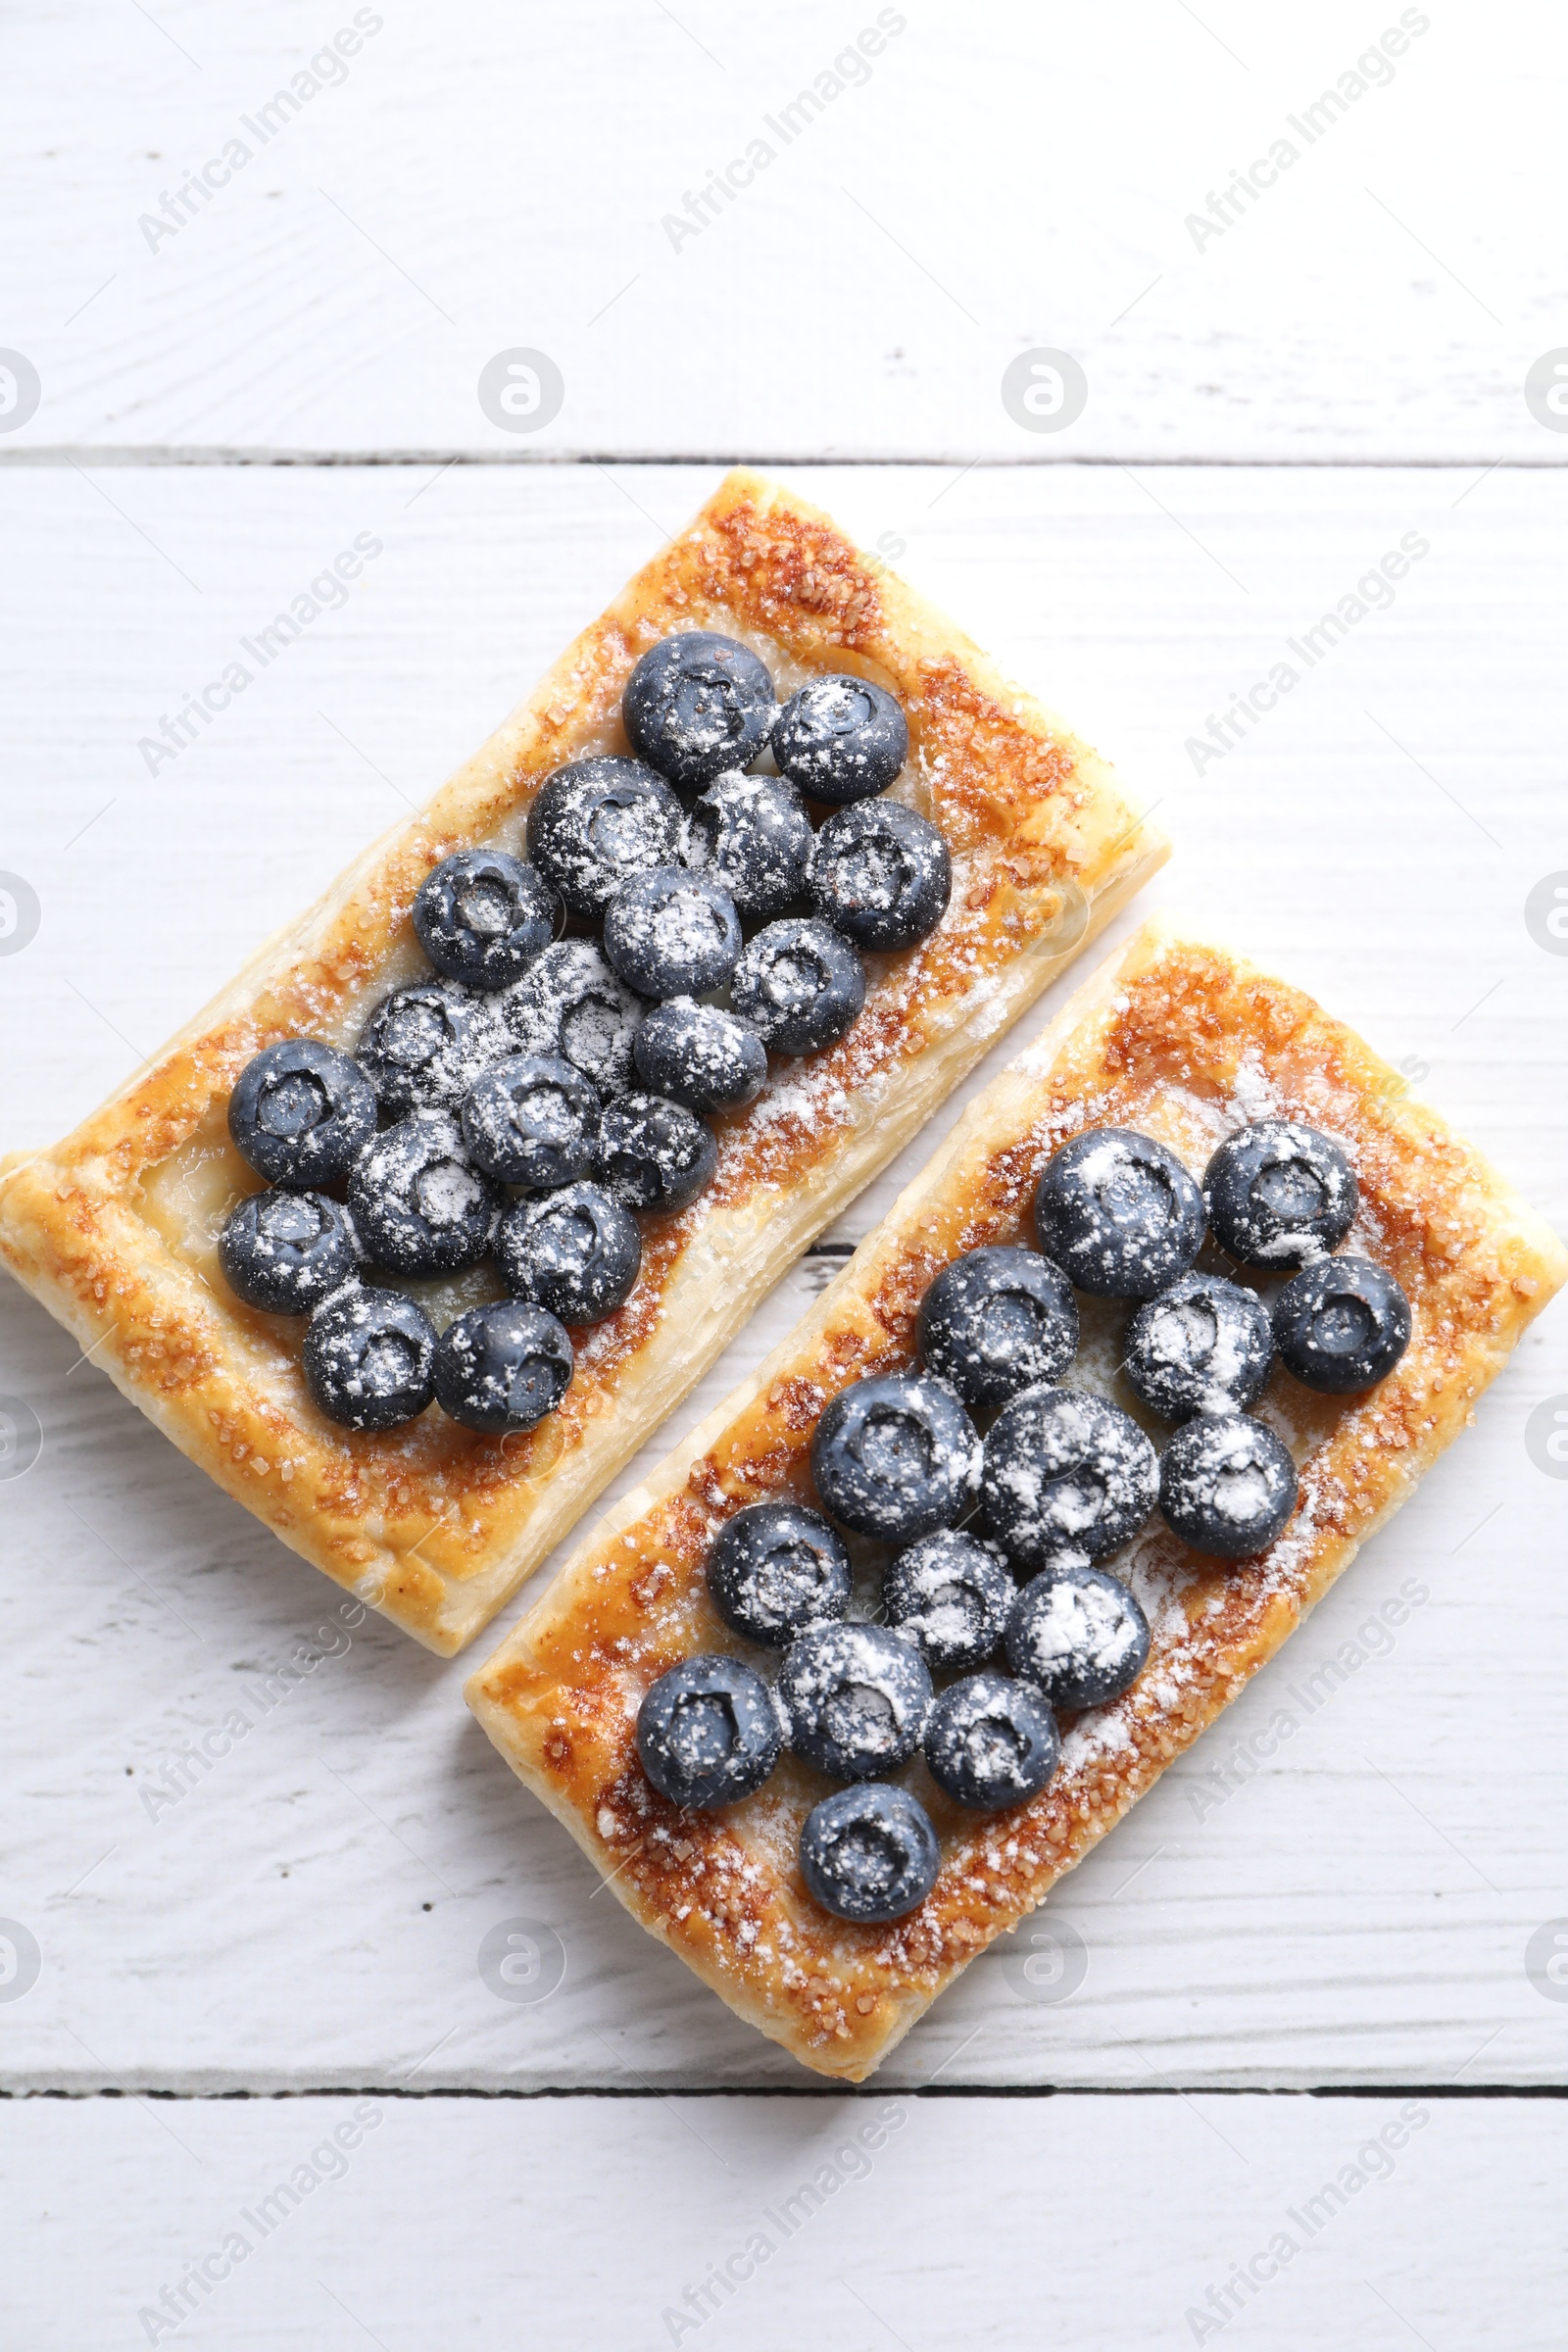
117 1228
1176 1042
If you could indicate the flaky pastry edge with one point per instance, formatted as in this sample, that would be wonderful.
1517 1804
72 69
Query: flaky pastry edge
558 1697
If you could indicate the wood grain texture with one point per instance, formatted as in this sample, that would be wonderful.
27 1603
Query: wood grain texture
1354 1907
1354 1904
987 182
842 2223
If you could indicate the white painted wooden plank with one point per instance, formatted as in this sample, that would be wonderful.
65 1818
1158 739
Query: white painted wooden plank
1321 1923
989 182
845 2223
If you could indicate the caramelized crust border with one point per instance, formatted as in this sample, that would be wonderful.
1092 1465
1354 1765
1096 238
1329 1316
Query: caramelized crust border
434 1526
1179 1038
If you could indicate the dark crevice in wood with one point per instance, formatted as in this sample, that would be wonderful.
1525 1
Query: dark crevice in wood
87 454
867 2091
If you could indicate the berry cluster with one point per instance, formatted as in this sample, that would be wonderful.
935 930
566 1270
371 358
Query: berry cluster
536 1090
1059 1479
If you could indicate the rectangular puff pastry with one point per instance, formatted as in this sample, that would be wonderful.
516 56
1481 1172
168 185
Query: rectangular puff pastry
1187 1042
116 1228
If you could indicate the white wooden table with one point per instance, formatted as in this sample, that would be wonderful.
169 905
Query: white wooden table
1361 1920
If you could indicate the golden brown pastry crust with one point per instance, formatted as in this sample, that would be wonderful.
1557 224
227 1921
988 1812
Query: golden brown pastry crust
115 1229
1183 1041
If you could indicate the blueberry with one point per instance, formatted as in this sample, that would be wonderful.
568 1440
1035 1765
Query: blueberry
502 1367
696 705
799 985
653 1153
1280 1194
750 835
1118 1214
670 933
370 1359
577 1252
895 1457
949 1593
598 822
1205 1346
882 876
990 1741
840 739
482 918
869 1853
301 1113
774 1569
424 1046
1227 1485
419 1204
701 1056
1065 1471
1342 1325
532 1121
1078 1636
995 1321
287 1251
708 1732
856 1698
571 1003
